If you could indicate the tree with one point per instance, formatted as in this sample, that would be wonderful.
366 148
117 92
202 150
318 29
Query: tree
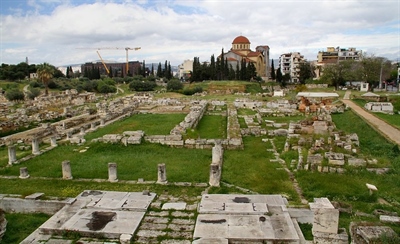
305 73
159 71
143 69
334 74
45 73
174 85
279 75
14 94
273 76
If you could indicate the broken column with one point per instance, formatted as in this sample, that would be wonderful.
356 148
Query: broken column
69 134
23 173
326 221
162 174
112 172
216 165
66 170
53 141
12 155
82 131
93 126
35 146
102 122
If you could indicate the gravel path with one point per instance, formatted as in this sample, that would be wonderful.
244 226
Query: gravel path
387 130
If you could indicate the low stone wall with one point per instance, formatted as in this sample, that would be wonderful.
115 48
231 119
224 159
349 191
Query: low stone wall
316 86
19 205
192 119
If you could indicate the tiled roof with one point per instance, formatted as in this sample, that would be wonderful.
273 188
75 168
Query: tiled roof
241 40
253 54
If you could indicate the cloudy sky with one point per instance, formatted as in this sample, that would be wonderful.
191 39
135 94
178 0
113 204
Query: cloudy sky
64 32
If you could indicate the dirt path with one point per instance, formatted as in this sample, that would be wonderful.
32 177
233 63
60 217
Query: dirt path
390 132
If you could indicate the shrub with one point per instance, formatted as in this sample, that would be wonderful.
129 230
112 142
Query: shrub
33 92
52 85
14 95
104 87
137 85
191 91
174 85
35 84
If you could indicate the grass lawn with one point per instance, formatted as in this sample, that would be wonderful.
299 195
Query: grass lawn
151 124
133 162
71 188
350 187
252 169
209 127
20 226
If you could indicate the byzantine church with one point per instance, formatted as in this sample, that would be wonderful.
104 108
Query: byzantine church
241 50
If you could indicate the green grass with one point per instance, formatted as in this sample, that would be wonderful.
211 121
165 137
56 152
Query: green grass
252 170
246 111
393 119
371 142
151 124
306 229
209 127
350 187
133 162
20 226
71 188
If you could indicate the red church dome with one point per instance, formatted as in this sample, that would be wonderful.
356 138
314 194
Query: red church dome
241 40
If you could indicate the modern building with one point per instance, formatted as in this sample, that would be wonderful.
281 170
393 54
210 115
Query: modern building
338 54
289 63
241 50
117 69
185 69
334 55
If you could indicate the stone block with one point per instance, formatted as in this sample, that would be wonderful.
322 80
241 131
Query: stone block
174 206
326 217
357 162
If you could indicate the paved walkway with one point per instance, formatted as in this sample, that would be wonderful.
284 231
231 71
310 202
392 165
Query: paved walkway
387 130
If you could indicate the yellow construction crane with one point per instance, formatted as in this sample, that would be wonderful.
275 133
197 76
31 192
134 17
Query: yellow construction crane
126 49
105 66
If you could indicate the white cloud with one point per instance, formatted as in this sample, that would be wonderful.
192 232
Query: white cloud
178 30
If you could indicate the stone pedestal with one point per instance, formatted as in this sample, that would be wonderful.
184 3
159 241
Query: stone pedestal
53 141
82 131
12 155
326 217
112 172
23 173
69 134
162 174
66 170
35 146
215 175
102 122
92 126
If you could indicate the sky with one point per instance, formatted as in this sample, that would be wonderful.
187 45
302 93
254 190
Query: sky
66 32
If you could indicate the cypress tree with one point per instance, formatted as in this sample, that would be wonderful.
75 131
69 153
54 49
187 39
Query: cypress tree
278 75
272 70
166 69
159 71
152 69
144 69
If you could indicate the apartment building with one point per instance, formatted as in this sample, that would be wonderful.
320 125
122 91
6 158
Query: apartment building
334 55
185 69
289 63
